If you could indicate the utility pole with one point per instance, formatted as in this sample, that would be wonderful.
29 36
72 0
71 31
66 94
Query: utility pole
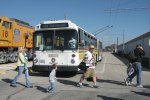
123 42
117 45
65 16
149 53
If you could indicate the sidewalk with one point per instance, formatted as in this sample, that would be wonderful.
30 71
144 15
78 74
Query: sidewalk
2 71
10 66
6 67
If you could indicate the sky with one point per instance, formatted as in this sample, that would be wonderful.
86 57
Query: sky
128 17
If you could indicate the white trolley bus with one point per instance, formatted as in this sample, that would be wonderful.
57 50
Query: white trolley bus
61 42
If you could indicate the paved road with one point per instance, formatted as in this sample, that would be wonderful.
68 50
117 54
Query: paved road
111 71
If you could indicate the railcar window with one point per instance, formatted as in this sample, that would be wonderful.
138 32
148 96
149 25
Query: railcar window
6 24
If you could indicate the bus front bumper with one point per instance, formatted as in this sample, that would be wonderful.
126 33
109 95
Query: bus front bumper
41 68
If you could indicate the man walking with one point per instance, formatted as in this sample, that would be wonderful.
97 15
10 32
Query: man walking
90 72
139 52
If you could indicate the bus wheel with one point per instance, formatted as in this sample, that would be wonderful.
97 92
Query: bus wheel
3 56
16 56
12 57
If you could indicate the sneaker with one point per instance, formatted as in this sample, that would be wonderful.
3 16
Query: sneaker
46 90
13 85
132 83
127 82
79 85
51 92
139 86
95 86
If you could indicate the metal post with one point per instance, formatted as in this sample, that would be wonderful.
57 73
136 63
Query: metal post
117 45
149 53
123 42
149 56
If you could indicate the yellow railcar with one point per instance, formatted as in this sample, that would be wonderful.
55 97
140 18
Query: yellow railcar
14 33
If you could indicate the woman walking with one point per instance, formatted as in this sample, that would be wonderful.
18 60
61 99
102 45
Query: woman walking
22 65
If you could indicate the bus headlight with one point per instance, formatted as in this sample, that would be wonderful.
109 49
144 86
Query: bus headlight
72 61
35 60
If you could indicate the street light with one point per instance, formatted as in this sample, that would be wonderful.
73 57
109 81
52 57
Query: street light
102 29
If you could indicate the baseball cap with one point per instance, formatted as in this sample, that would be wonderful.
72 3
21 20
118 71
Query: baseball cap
91 46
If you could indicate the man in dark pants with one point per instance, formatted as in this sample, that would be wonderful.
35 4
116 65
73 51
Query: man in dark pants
139 52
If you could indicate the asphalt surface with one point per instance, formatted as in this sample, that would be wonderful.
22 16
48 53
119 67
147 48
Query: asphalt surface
110 72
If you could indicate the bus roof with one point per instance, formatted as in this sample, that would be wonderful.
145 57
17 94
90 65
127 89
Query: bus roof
53 24
55 21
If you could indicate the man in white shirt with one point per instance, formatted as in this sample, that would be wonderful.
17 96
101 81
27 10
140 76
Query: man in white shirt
72 43
90 72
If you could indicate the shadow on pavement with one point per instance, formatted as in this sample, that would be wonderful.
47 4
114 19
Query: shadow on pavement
108 98
69 82
111 81
147 86
142 93
42 89
7 80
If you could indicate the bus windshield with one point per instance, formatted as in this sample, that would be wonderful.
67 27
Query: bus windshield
55 40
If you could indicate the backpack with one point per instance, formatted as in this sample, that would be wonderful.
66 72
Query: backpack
82 66
131 56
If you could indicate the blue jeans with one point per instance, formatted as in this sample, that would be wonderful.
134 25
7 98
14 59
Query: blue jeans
138 72
21 69
52 87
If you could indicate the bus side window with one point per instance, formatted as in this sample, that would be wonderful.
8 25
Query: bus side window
81 35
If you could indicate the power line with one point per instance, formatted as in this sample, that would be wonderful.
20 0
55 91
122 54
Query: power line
126 9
